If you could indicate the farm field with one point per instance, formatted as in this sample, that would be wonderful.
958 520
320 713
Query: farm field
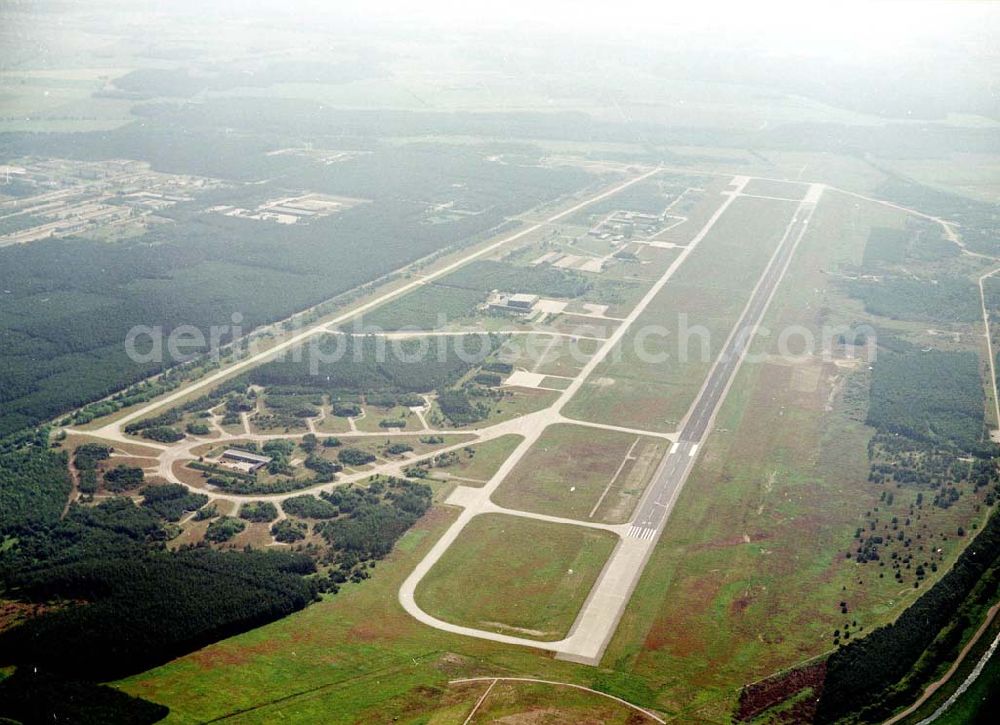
680 334
498 578
582 473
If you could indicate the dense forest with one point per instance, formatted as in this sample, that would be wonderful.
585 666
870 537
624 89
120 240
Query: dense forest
946 299
34 486
114 600
70 303
117 601
933 396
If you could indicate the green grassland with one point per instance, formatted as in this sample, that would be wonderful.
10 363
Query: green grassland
427 308
976 694
486 459
60 100
549 355
710 291
748 576
499 576
374 415
572 471
512 700
354 657
514 403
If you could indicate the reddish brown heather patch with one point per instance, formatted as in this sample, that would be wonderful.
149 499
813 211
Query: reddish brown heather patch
671 630
232 654
429 521
739 605
737 540
364 632
760 696
12 612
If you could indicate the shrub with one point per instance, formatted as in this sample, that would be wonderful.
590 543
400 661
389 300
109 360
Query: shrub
258 511
123 478
163 434
223 529
355 457
288 532
346 410
309 507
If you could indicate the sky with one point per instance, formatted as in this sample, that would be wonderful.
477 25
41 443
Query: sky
839 27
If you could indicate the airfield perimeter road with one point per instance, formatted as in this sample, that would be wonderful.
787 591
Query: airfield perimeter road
601 612
599 616
113 430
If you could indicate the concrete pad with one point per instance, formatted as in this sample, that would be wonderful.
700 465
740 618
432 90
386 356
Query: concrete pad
465 496
524 379
549 258
570 260
598 310
550 306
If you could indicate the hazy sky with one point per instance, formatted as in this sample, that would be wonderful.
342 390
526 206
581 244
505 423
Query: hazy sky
836 27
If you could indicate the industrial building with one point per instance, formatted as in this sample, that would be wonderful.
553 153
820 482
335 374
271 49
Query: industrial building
244 460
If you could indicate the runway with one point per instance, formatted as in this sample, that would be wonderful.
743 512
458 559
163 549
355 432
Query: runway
694 429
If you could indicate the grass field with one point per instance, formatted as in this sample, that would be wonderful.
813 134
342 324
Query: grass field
370 422
516 575
516 402
487 458
353 657
428 308
548 354
781 189
513 701
651 379
750 570
569 324
582 473
332 424
976 703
